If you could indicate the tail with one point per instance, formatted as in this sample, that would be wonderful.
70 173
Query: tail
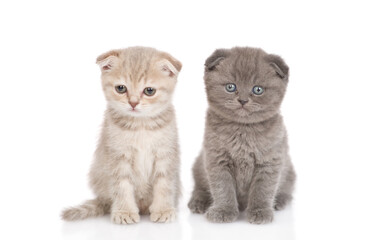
90 208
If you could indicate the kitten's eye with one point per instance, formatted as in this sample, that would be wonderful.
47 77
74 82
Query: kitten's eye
258 90
149 91
230 87
121 89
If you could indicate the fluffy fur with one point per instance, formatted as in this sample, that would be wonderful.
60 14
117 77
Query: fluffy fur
244 164
136 165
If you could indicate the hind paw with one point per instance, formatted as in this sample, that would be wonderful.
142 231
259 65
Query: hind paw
281 201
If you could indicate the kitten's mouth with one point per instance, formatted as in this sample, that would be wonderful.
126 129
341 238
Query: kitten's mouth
242 111
242 108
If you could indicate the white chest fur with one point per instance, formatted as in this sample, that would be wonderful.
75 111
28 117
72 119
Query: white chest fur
139 148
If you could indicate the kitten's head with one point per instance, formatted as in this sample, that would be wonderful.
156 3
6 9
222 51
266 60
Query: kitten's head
245 84
138 81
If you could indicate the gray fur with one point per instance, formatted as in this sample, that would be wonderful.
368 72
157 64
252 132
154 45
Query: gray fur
244 164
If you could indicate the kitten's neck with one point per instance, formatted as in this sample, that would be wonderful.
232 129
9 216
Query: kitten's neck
138 123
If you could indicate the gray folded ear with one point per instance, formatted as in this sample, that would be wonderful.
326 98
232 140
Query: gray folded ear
279 65
216 57
107 61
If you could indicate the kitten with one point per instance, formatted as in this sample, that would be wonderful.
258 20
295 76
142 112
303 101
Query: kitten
244 164
136 165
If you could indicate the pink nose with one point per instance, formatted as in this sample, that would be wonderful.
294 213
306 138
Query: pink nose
133 104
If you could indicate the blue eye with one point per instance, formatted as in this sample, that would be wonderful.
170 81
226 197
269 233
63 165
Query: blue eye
230 87
257 90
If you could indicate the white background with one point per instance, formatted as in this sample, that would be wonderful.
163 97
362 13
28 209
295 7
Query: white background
52 107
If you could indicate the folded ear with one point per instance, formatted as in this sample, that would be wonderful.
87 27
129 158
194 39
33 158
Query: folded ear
170 65
108 60
216 57
279 65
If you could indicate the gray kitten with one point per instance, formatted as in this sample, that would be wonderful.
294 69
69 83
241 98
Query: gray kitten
244 164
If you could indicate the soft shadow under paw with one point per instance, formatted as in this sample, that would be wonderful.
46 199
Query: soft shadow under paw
125 217
222 214
163 216
260 216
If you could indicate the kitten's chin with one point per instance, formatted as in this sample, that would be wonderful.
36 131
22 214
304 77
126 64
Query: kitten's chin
242 112
134 113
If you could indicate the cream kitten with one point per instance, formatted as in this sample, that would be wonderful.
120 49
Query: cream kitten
136 165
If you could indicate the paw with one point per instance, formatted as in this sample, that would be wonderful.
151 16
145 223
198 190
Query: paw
281 201
199 205
125 217
222 214
279 205
260 216
163 216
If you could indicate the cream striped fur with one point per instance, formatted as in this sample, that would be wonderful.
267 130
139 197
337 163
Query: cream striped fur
136 165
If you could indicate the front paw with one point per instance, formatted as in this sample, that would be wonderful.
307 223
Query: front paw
199 205
260 216
125 217
222 214
163 216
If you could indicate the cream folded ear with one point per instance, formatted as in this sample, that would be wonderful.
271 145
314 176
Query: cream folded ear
107 61
169 65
